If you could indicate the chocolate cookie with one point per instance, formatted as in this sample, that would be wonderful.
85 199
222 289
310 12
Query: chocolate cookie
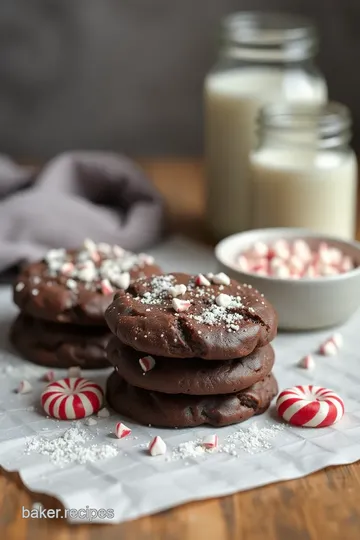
166 410
77 286
60 345
182 316
191 375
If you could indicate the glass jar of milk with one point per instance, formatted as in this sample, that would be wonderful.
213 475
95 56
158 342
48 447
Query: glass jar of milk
263 58
304 173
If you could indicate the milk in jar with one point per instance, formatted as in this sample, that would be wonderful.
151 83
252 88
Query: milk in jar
264 58
304 172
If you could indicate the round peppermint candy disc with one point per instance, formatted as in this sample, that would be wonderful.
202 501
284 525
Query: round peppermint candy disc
72 398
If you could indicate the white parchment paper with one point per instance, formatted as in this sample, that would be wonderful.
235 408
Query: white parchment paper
134 483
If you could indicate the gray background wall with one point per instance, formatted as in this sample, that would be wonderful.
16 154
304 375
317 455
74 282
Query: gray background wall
127 74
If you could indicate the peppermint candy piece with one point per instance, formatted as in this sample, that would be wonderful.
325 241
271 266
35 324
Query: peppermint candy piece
74 371
310 406
89 245
121 430
177 290
49 376
67 268
211 442
223 300
24 387
103 413
157 446
221 279
72 398
90 422
331 346
147 363
122 281
307 362
202 281
180 305
106 287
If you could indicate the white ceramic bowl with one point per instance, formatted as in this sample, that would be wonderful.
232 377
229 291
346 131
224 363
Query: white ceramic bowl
303 304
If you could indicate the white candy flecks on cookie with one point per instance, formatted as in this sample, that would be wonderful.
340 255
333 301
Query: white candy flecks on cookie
147 363
24 387
19 286
157 446
223 300
106 287
74 371
122 280
221 279
103 413
177 290
211 442
180 305
121 430
307 362
95 263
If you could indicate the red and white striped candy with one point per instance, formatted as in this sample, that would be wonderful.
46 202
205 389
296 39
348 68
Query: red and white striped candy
121 430
177 290
72 398
157 446
211 442
24 387
49 376
331 346
307 362
202 281
310 406
106 287
180 305
147 363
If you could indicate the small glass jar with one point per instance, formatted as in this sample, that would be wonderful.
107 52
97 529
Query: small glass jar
263 58
304 172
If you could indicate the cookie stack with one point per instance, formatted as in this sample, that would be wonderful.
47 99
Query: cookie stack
190 350
63 298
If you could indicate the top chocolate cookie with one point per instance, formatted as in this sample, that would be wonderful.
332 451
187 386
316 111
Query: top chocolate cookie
182 316
76 286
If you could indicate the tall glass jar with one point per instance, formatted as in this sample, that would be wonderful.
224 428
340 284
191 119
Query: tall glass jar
304 172
263 58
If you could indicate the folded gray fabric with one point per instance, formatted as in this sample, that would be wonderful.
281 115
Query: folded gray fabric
99 195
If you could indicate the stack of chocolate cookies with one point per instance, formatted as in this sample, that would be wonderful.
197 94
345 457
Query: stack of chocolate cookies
63 299
190 350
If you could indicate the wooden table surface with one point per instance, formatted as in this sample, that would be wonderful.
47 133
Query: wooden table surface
324 505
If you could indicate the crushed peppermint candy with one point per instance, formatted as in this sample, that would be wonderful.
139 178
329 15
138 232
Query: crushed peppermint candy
19 286
100 267
251 440
294 259
70 447
160 286
207 307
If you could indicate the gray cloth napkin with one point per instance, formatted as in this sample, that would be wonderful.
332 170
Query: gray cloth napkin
99 195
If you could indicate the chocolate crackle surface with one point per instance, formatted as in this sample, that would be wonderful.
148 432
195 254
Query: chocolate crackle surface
185 316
